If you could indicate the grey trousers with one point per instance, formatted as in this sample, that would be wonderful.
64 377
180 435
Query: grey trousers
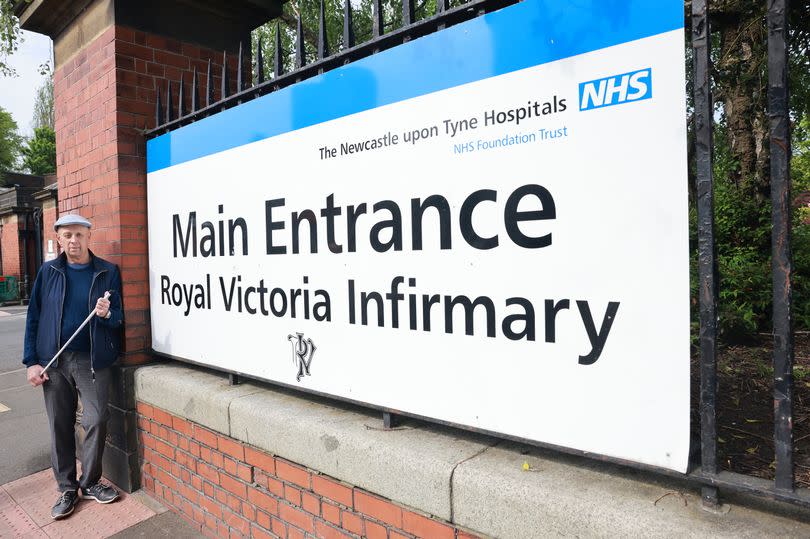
71 379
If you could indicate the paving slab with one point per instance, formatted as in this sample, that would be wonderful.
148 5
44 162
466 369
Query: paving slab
164 525
5 500
14 522
25 507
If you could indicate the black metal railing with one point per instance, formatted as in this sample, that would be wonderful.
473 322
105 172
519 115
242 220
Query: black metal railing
782 487
707 251
166 120
781 265
705 469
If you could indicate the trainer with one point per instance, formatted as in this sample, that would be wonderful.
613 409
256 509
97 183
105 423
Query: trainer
65 292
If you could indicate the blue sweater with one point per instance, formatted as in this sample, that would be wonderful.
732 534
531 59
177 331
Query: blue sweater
45 310
77 306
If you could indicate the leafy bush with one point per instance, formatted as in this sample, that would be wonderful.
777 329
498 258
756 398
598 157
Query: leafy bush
801 276
800 174
743 236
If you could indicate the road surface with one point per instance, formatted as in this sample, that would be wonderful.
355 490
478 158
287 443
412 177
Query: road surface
24 439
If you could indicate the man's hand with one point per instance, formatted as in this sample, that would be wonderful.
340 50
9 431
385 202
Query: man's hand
102 307
36 375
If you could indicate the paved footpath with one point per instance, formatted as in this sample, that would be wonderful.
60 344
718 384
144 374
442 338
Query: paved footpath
25 511
23 421
28 493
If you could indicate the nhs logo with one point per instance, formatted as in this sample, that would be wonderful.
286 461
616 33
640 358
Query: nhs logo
615 90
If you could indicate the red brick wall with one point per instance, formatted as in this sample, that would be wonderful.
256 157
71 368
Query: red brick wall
225 488
49 216
87 162
104 98
10 247
145 63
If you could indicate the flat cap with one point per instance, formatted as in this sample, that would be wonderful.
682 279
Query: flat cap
72 219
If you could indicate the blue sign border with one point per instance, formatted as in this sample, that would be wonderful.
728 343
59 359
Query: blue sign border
488 46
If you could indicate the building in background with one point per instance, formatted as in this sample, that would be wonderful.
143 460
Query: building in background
27 211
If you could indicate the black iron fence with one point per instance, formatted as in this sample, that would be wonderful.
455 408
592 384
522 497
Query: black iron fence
704 468
783 485
173 111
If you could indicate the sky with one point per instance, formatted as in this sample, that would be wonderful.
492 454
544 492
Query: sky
17 94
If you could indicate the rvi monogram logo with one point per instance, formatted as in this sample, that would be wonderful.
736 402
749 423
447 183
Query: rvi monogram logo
303 350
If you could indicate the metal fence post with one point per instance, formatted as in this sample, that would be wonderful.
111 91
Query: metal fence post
780 242
707 259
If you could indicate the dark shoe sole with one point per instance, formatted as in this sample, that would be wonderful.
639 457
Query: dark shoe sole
60 517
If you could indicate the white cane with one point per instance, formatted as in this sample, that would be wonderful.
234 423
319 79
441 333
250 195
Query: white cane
86 320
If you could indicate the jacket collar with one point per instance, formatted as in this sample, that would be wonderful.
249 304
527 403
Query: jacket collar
61 262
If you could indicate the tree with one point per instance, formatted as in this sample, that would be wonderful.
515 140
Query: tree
742 161
800 164
39 154
43 105
10 142
10 37
309 11
740 83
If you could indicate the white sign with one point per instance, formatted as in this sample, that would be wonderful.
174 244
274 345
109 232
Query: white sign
506 252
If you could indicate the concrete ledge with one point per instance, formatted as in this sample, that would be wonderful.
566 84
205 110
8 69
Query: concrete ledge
199 396
411 466
555 498
472 481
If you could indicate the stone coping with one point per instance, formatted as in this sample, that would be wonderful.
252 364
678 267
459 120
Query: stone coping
473 481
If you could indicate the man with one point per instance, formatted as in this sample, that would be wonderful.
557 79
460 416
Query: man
65 291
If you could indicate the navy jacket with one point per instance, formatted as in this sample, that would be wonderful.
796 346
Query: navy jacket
44 323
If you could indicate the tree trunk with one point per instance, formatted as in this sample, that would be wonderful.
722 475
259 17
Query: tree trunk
742 84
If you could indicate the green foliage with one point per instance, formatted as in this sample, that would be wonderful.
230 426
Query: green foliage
742 229
10 142
309 11
743 236
800 164
39 154
800 373
800 174
799 59
9 36
43 105
801 273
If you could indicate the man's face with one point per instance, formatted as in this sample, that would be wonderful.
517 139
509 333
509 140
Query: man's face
74 240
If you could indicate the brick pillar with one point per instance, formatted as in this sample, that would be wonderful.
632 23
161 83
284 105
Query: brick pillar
112 57
104 100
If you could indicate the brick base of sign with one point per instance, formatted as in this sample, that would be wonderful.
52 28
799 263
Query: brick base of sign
225 488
